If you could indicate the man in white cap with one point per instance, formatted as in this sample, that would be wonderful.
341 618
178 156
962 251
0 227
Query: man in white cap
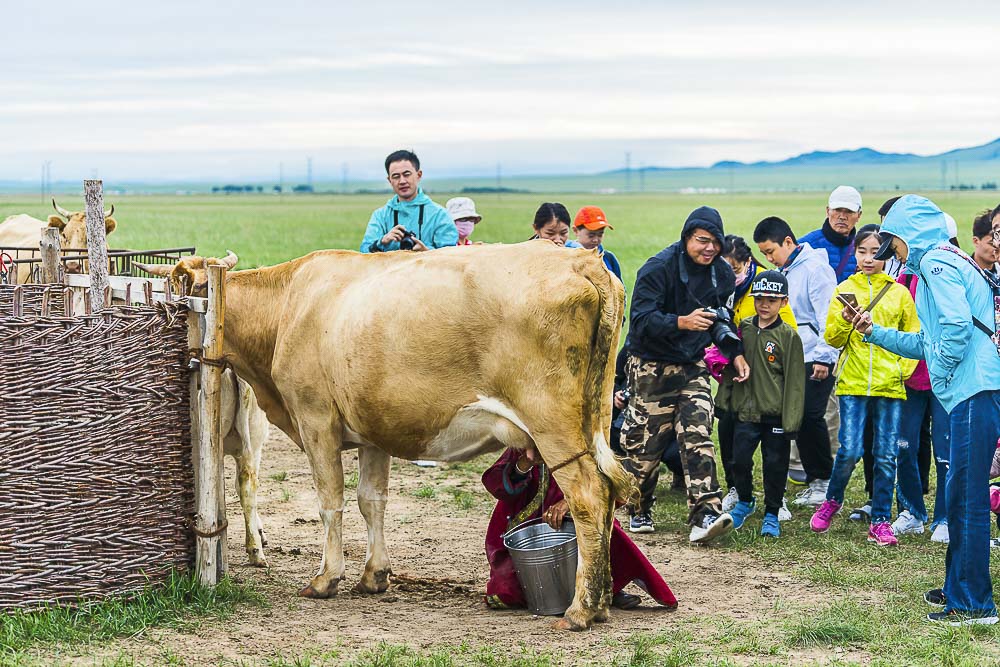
836 236
463 213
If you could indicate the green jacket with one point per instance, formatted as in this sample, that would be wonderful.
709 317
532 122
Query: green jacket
775 391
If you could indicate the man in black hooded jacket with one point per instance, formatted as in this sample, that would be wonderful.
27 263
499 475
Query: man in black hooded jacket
667 376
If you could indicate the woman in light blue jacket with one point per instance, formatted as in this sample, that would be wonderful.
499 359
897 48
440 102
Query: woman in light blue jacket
958 311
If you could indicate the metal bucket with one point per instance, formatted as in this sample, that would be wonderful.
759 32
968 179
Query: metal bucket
545 561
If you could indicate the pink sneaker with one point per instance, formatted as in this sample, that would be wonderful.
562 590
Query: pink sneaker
995 499
882 535
820 522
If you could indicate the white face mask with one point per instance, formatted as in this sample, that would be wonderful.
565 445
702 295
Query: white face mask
465 228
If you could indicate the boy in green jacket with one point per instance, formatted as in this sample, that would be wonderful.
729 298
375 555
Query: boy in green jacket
769 404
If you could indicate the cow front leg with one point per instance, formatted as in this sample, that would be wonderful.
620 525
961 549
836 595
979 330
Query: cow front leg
588 493
247 482
328 475
373 493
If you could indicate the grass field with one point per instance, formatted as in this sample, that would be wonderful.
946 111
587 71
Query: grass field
873 614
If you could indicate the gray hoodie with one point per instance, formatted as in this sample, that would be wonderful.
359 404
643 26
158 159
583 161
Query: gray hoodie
811 282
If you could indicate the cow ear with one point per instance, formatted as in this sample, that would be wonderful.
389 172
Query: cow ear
109 225
182 275
56 221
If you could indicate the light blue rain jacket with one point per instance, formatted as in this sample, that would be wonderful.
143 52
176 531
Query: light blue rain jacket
437 231
962 360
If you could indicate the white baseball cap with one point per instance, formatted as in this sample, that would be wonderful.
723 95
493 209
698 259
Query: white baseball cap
844 196
951 225
462 207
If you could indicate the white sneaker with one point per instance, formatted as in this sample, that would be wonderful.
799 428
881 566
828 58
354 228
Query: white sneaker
784 514
711 527
995 543
729 502
907 524
940 534
424 464
815 494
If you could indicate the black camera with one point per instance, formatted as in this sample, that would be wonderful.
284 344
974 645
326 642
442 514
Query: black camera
408 241
723 330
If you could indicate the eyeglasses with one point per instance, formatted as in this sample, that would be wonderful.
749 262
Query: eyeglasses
706 240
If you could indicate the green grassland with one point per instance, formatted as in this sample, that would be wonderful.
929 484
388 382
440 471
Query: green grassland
873 612
267 229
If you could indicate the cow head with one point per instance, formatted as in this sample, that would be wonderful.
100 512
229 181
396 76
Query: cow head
73 230
190 275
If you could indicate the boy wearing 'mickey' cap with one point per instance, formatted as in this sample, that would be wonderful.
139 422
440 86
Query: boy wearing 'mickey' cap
769 404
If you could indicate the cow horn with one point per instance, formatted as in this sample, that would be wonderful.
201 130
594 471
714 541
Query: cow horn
108 214
230 259
161 270
60 210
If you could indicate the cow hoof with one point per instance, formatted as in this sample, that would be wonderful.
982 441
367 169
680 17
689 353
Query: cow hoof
378 582
310 592
565 623
259 561
602 616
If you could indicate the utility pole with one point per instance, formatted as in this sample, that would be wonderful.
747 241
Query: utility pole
309 173
642 177
498 180
343 178
628 171
944 175
281 179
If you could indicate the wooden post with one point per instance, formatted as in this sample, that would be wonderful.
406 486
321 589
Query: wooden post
209 520
97 242
51 266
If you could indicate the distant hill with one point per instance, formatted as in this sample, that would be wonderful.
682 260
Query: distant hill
870 156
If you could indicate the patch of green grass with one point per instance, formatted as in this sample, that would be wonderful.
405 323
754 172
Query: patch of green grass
841 624
643 650
463 499
351 480
279 476
425 491
179 603
286 495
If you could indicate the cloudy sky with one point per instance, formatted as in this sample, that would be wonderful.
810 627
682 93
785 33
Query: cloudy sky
215 89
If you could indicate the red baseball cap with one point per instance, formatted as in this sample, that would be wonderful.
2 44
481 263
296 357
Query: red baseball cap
592 218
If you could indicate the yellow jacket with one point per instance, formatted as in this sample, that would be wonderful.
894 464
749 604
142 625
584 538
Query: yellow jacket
865 369
744 307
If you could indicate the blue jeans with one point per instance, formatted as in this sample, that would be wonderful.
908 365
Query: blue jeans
854 412
975 425
909 489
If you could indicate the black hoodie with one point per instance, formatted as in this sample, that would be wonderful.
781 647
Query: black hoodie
661 294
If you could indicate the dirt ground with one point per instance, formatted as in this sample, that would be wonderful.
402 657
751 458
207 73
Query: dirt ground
440 571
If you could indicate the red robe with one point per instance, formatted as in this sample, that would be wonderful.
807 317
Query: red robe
519 501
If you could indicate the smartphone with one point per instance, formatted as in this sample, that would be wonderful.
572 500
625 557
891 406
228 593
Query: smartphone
850 303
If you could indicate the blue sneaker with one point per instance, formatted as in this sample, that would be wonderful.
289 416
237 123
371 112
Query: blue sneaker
771 527
742 511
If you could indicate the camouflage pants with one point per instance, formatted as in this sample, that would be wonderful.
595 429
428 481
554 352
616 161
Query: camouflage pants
668 401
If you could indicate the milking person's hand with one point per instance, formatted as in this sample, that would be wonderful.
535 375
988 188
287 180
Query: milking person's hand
863 323
394 234
555 513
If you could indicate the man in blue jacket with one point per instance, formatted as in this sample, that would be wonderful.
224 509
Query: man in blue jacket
410 220
957 306
836 236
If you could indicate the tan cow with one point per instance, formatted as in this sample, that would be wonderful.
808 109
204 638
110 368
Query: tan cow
346 349
24 231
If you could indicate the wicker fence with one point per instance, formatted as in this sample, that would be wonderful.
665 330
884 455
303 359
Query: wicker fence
96 478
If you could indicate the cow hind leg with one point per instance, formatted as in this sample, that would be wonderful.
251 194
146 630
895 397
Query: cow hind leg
323 448
373 493
588 492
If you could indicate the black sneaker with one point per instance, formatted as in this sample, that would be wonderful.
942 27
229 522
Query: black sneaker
935 597
641 523
956 617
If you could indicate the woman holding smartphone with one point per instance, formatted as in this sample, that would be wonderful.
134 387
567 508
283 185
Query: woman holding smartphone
869 385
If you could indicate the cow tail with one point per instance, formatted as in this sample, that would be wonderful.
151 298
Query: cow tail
600 381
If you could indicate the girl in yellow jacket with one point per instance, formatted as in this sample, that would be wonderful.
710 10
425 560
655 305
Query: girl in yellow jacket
746 267
869 386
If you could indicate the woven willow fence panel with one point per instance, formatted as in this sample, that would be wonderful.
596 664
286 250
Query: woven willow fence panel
96 480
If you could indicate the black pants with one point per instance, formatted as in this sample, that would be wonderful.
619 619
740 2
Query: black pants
727 432
774 452
814 438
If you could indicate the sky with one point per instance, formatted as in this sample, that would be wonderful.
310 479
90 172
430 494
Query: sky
233 90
